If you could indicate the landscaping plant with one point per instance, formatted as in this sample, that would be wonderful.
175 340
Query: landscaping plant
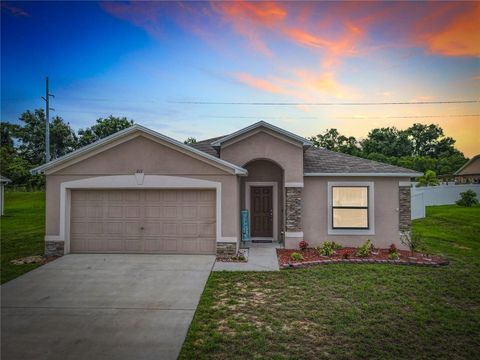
467 198
336 246
303 245
296 256
411 240
326 249
393 252
364 250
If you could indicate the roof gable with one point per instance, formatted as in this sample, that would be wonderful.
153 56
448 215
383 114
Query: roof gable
467 164
112 140
262 124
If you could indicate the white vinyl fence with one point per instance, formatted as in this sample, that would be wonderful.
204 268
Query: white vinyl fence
437 195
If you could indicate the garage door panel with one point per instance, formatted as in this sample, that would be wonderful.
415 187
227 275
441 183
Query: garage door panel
138 221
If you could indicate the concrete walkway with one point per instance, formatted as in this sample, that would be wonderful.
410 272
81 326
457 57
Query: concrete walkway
103 307
261 257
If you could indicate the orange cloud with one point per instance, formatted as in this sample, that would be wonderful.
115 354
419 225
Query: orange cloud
257 83
461 37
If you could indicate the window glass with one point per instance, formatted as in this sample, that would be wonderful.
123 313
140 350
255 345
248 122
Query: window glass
350 196
350 218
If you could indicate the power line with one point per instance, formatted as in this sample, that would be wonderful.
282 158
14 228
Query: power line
326 103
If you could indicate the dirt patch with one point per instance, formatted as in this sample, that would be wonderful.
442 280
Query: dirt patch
35 259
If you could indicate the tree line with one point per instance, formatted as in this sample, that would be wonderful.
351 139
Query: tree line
23 145
420 147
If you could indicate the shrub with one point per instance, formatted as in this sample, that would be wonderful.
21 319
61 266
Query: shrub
393 256
303 245
336 246
364 250
296 256
392 249
413 241
429 179
467 198
326 249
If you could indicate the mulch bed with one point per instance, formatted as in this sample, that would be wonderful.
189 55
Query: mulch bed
348 255
35 259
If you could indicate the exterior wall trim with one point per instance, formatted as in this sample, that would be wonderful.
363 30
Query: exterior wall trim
248 185
294 234
415 174
130 182
294 184
371 208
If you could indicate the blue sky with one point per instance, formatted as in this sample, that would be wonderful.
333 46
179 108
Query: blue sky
140 59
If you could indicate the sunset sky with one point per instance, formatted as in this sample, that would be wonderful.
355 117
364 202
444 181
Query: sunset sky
170 66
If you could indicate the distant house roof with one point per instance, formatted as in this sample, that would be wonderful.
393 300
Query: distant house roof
321 162
4 180
469 162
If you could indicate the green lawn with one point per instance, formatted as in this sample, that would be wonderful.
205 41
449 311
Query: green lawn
22 229
348 311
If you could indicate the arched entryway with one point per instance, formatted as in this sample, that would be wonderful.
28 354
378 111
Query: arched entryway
262 195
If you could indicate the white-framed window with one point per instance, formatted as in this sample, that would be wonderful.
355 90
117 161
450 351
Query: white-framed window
351 208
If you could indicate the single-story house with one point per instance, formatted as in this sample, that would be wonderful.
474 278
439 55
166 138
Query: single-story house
138 191
3 181
469 172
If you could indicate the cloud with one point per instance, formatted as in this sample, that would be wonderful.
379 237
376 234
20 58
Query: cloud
13 10
460 37
301 84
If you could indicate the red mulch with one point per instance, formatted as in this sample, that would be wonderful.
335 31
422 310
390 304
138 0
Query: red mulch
312 257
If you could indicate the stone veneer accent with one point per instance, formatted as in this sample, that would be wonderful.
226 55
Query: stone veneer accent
405 220
54 248
226 249
293 209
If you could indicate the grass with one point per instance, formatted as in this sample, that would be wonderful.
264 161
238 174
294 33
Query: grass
348 311
22 229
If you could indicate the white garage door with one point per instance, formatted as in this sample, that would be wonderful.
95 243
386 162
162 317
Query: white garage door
143 221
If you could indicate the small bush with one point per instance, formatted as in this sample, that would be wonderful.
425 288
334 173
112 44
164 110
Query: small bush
364 250
392 249
326 249
393 256
296 256
467 198
303 245
336 246
413 241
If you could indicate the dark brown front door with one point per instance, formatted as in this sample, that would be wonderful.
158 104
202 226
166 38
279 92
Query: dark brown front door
261 208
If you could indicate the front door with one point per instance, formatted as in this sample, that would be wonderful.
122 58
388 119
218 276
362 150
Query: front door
261 211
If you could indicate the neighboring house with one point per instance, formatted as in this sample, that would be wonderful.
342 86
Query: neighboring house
138 191
3 181
470 172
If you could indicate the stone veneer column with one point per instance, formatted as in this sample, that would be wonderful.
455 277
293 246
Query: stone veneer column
405 219
293 217
54 248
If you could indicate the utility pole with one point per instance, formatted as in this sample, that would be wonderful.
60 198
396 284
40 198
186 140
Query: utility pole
47 122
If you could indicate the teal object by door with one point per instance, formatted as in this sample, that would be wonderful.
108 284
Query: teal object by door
245 225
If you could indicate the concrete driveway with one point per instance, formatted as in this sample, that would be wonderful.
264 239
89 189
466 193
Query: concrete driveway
103 307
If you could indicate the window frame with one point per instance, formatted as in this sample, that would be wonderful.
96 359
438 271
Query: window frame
370 208
333 207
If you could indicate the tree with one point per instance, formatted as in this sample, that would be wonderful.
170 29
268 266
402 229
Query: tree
429 140
387 141
32 137
190 141
102 129
429 179
8 134
332 140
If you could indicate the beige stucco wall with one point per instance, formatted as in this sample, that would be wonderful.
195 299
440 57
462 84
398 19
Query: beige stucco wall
262 145
153 158
265 171
315 216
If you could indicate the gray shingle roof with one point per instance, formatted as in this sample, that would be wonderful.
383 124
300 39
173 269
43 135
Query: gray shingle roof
317 161
326 161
